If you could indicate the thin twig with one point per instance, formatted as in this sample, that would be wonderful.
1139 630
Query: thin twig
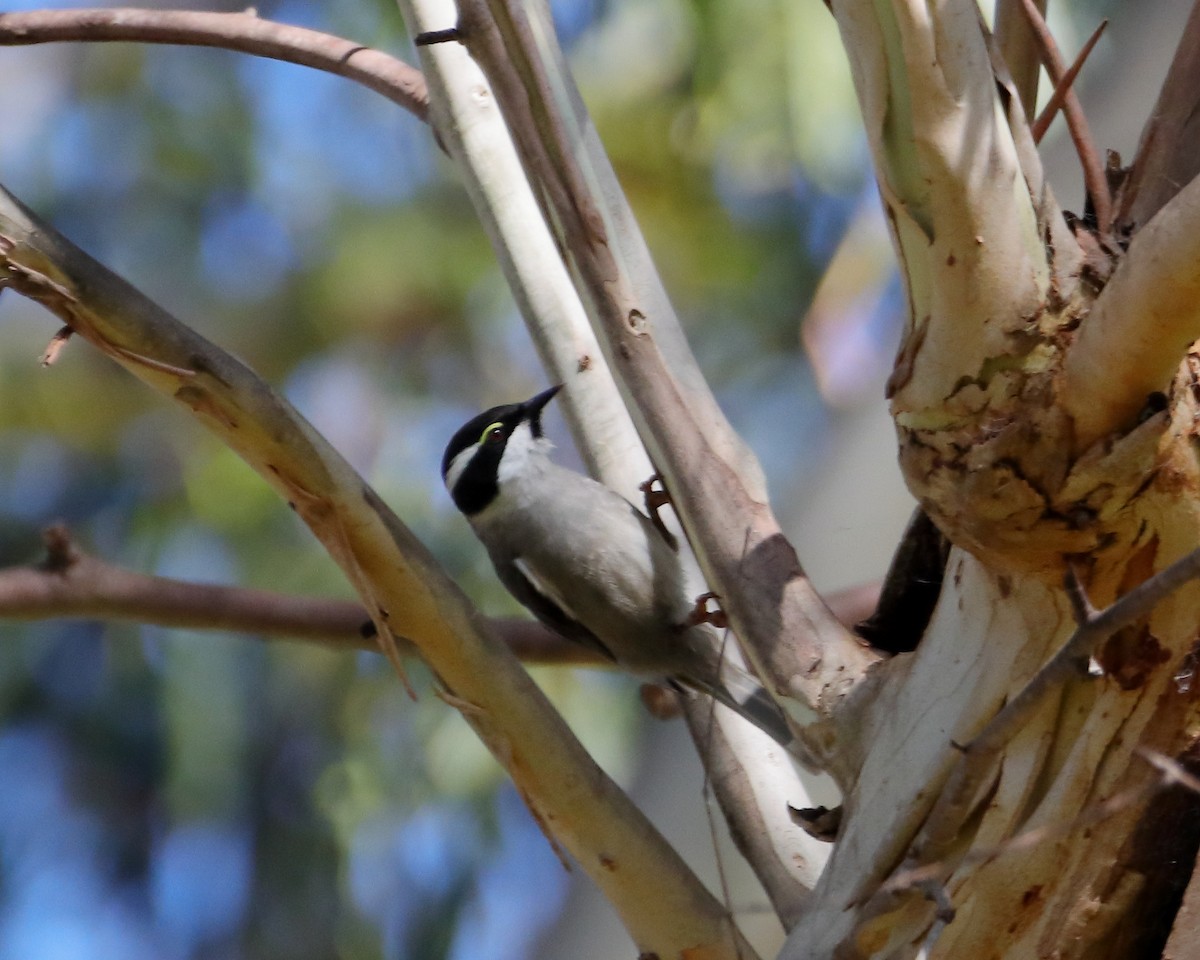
1085 146
244 32
55 346
1064 86
1172 773
705 736
431 37
753 784
69 582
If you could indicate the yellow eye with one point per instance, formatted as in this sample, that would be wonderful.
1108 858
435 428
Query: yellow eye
493 434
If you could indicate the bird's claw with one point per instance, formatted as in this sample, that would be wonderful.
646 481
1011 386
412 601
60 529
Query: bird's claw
702 614
654 499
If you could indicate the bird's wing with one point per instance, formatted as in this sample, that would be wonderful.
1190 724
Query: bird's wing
536 593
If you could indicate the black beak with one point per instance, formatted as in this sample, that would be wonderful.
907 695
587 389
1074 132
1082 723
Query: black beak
532 408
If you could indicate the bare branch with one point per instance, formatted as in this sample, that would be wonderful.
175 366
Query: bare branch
971 247
1019 49
473 133
1081 135
1132 343
1168 156
244 32
1064 86
665 907
72 583
797 645
756 784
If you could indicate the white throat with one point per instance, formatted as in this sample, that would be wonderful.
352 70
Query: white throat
524 455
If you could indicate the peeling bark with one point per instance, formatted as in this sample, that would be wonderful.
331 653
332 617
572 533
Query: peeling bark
1046 406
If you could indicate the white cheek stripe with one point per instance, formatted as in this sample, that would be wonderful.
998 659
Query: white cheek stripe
458 465
516 454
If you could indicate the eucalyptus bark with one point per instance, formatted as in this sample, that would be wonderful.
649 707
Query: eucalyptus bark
1045 398
1045 403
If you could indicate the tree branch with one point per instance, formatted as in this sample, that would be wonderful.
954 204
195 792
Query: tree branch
1168 156
1064 85
473 133
795 643
1140 326
664 906
1019 48
1094 177
968 233
957 800
756 786
244 32
72 583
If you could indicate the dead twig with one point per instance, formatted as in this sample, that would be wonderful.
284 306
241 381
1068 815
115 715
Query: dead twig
1064 86
1168 155
243 32
1094 179
68 582
55 346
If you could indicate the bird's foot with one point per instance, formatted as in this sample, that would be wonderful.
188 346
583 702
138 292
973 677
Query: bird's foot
702 613
656 498
821 823
430 37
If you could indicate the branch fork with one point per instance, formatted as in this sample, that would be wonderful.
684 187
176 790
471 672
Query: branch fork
932 854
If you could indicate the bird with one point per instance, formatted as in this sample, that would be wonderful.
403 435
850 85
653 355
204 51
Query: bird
587 563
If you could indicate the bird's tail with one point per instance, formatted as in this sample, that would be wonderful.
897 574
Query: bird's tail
746 696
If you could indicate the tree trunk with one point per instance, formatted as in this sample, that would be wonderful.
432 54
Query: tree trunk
1045 396
1045 402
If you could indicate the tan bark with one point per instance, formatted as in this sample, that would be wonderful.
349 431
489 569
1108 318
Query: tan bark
1024 442
1045 403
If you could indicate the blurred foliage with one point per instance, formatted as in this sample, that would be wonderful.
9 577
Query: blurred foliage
177 794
